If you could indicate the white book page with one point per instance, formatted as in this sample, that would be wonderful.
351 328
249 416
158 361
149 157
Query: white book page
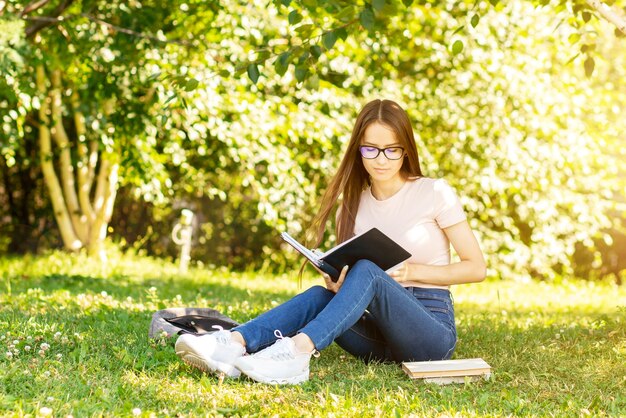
311 255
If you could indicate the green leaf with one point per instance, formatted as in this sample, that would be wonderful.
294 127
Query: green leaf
457 30
312 82
240 68
586 16
191 84
262 56
346 14
407 3
305 30
329 39
378 5
573 38
367 18
301 72
253 72
572 59
282 63
590 65
494 2
474 21
342 33
457 47
294 17
316 51
587 47
303 57
169 99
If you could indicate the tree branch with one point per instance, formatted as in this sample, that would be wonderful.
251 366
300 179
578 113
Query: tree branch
84 184
133 33
44 23
33 6
609 13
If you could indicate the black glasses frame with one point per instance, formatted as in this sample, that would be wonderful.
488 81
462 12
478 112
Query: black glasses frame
383 150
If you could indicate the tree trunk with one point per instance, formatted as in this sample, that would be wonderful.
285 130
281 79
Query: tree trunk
610 14
70 239
82 222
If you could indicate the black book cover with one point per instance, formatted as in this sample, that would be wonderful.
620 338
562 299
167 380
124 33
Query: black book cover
372 245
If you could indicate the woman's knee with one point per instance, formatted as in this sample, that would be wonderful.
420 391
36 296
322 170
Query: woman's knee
319 292
363 266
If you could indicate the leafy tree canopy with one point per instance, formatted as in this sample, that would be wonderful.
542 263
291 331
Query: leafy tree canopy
241 112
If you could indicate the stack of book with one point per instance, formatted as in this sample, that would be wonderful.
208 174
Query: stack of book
448 371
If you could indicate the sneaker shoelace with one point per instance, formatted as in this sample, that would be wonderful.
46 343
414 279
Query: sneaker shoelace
220 336
283 350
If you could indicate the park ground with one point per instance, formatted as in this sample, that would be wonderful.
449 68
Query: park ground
74 341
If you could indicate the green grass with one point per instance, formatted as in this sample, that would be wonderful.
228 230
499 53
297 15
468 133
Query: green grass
556 349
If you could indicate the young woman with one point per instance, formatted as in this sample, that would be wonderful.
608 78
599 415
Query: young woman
406 315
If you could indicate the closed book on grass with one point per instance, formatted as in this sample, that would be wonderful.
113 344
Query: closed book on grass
446 369
372 245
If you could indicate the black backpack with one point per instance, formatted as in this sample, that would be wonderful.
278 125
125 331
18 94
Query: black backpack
198 321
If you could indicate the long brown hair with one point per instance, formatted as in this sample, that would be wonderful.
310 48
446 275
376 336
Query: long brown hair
352 178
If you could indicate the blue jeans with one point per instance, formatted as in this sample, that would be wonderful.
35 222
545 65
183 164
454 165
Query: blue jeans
371 316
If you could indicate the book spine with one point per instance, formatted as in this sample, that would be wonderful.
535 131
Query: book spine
328 269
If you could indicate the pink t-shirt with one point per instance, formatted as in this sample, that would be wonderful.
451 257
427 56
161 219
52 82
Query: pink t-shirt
414 217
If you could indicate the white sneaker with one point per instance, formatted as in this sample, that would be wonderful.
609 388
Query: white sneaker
214 352
280 363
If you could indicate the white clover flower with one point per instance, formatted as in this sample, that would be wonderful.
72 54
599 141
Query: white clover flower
16 342
41 353
136 411
103 293
50 398
45 411
59 356
27 348
57 335
47 373
45 346
9 355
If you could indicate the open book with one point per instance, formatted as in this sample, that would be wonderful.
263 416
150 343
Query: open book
372 245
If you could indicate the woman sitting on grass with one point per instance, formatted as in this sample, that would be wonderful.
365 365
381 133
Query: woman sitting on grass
406 315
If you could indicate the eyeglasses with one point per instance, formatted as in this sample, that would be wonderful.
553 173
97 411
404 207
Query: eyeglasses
370 153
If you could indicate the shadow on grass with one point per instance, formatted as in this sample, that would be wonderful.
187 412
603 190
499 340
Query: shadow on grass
167 287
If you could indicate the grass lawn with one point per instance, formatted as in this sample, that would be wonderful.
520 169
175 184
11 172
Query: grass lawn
73 341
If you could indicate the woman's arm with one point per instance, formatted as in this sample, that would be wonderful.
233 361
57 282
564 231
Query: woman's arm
471 268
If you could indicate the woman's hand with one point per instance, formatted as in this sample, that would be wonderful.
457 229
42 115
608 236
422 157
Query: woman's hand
402 273
334 286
